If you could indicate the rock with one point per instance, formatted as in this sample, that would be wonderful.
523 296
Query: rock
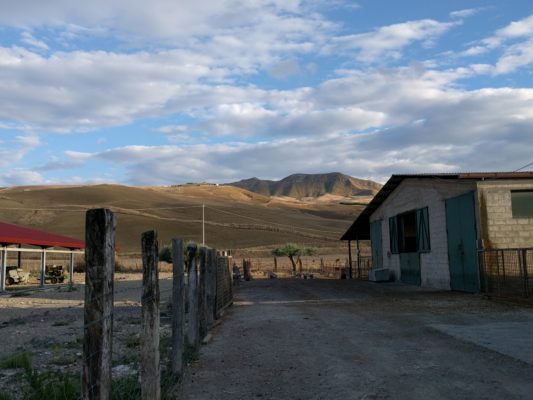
121 371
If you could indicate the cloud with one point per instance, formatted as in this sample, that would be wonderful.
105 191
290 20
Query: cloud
27 38
21 177
429 127
465 13
285 69
164 21
515 55
15 148
388 41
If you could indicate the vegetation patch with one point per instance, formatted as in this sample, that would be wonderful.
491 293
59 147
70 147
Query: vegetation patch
17 360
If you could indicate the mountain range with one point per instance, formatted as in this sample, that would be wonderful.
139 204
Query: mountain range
311 185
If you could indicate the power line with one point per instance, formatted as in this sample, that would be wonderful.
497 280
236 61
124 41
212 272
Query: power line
525 166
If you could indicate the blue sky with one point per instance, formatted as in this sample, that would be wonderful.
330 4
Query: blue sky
165 92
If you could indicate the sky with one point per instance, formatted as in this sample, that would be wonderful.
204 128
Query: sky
167 92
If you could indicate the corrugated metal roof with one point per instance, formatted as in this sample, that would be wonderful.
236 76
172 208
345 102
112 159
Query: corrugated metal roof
360 229
16 234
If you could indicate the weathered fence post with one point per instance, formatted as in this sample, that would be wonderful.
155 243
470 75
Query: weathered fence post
192 299
149 368
178 309
3 270
43 268
246 266
210 287
70 270
202 300
275 264
100 225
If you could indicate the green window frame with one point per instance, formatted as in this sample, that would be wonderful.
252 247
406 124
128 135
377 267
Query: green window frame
422 224
397 237
393 235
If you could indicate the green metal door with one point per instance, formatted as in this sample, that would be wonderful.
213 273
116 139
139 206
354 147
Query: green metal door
410 268
376 243
461 230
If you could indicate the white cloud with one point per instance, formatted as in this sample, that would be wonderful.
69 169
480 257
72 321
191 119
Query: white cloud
515 55
389 41
29 39
430 127
21 177
465 13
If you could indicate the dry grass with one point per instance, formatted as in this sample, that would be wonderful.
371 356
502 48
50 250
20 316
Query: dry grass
235 218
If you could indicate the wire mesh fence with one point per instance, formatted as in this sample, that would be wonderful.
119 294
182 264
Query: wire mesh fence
505 273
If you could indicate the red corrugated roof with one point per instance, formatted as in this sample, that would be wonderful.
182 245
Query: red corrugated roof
16 234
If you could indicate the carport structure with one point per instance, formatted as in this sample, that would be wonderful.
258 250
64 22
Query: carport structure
16 238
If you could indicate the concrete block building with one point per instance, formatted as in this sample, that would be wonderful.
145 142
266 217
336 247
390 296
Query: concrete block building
427 229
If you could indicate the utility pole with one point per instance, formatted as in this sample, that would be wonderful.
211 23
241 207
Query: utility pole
203 224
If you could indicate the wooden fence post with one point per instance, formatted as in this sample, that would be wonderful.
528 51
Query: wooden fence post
275 264
246 266
100 225
70 270
3 270
42 278
192 299
178 301
149 368
202 300
210 287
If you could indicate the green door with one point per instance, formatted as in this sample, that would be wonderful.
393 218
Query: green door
410 268
461 230
376 243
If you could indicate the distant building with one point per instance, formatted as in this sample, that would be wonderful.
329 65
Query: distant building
427 229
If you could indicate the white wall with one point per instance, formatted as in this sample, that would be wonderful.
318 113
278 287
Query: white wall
417 193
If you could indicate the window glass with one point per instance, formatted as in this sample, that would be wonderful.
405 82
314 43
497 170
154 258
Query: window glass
522 203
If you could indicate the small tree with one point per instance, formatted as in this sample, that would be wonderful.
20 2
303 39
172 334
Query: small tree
294 252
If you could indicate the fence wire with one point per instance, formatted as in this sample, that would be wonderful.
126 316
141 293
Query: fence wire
505 273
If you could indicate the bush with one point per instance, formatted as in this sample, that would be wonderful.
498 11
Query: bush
165 254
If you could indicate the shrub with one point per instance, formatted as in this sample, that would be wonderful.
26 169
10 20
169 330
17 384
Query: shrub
165 254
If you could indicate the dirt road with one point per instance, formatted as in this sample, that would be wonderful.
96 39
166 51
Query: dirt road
311 339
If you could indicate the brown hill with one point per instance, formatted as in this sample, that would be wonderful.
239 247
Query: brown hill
234 218
311 185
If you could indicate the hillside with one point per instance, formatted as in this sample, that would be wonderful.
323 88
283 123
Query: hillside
301 186
234 218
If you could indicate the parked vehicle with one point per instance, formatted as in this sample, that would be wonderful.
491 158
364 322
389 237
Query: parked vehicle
54 273
15 274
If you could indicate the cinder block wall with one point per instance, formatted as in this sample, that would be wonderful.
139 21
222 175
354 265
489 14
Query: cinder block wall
499 229
417 193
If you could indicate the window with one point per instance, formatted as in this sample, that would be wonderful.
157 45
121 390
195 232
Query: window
409 232
522 203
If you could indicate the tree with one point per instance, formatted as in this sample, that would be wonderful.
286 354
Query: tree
294 252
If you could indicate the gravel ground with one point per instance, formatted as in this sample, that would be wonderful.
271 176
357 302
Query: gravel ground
48 323
325 339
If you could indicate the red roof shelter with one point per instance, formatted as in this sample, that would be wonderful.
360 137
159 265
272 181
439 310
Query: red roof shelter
19 236
16 234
